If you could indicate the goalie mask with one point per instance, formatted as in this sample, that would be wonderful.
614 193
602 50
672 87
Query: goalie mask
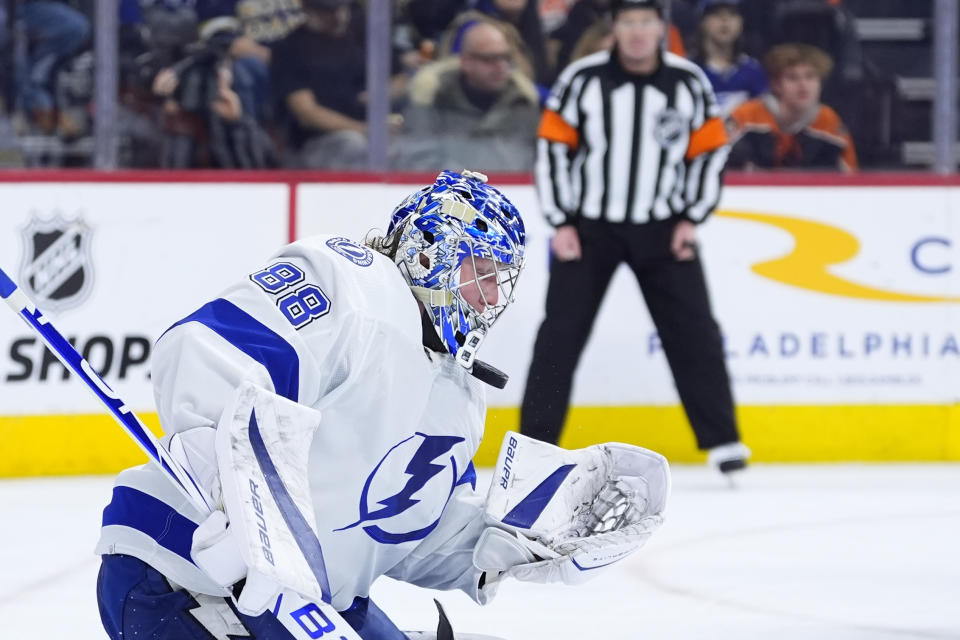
461 249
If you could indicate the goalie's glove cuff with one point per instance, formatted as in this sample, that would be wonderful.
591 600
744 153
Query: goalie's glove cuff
216 551
501 554
496 554
258 594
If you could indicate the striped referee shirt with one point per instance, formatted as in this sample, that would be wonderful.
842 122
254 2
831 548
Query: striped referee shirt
630 148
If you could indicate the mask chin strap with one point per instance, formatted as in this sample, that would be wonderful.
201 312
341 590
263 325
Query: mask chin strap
468 350
467 353
444 298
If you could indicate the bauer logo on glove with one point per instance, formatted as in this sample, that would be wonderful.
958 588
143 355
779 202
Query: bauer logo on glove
556 514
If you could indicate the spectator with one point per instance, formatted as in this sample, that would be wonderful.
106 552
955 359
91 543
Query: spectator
205 121
735 76
599 37
452 41
319 75
54 31
236 140
153 40
525 17
789 127
629 161
473 110
825 24
260 25
583 15
553 13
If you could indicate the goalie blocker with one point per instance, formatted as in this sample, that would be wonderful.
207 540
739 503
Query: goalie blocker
559 515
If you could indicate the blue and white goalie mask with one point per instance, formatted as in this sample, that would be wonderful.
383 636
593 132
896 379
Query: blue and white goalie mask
461 249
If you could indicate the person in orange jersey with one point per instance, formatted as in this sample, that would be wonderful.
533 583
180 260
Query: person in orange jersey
789 127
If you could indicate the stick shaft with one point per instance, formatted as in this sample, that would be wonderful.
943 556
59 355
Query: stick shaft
28 312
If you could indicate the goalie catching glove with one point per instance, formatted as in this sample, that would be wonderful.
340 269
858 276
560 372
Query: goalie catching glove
558 515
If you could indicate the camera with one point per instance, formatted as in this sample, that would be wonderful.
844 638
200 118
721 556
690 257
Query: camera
197 72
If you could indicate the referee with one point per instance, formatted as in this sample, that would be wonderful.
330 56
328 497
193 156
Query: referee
630 159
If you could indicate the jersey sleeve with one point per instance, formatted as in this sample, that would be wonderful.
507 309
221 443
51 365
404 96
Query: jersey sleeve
558 138
275 327
202 359
707 151
195 371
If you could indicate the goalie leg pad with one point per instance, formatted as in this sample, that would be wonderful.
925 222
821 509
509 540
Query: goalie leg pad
137 601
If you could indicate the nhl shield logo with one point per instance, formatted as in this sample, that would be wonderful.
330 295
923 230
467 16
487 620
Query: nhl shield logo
669 127
57 269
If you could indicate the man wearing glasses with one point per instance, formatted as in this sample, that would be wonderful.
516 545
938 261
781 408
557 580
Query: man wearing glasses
475 109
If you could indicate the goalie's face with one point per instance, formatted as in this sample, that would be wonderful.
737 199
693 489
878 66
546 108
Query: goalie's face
478 283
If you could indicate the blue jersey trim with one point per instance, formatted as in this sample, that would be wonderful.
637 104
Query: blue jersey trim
153 517
255 339
304 536
529 509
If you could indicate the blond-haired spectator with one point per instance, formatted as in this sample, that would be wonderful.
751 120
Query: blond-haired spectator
597 37
790 127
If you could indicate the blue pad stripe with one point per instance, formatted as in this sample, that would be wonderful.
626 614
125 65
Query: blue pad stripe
302 533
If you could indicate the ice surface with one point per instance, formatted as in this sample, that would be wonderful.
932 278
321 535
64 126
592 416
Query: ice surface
796 552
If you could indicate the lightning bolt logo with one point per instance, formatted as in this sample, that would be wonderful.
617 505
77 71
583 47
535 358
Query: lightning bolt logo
419 471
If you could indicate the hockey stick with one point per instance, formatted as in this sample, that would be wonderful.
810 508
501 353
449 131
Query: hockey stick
130 423
313 619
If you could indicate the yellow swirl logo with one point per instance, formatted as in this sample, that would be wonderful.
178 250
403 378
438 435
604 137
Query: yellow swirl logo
817 247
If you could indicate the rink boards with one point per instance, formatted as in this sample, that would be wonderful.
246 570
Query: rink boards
837 299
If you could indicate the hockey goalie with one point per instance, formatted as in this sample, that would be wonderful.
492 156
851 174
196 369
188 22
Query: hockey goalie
329 405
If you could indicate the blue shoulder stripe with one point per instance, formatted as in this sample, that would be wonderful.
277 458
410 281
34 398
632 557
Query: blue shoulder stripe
153 517
255 339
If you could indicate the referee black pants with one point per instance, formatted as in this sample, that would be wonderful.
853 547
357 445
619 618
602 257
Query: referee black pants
675 293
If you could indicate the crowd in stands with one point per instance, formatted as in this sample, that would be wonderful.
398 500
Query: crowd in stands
282 83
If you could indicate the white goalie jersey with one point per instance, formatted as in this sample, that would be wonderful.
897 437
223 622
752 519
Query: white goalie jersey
331 325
